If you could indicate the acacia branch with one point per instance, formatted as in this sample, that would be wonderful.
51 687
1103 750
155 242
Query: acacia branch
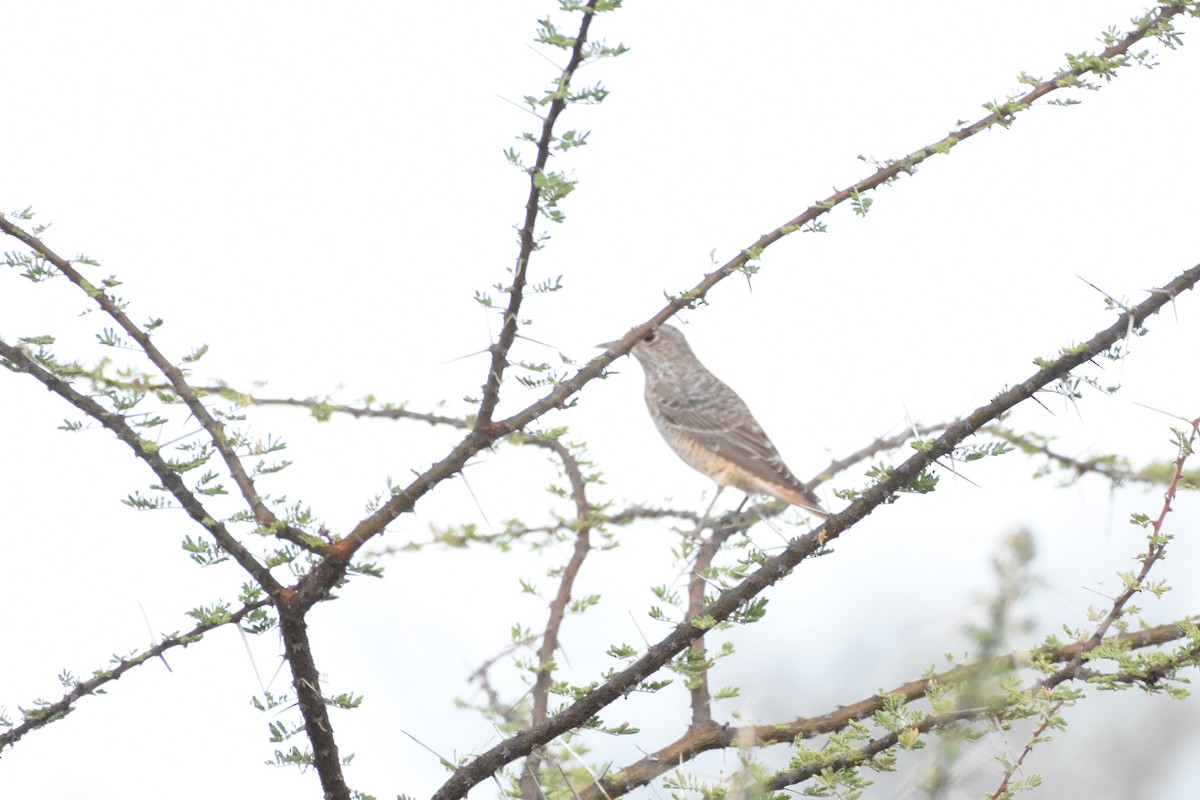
216 430
776 567
149 454
306 682
528 242
45 714
305 676
323 409
1034 738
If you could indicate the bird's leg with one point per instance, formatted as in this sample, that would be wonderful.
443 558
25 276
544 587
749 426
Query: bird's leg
704 520
736 514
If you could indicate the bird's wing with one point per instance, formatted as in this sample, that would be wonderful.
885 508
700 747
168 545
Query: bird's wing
721 421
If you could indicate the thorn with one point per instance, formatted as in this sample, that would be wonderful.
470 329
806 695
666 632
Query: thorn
1160 411
1107 296
150 628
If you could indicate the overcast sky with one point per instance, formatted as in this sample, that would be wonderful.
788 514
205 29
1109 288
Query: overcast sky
316 191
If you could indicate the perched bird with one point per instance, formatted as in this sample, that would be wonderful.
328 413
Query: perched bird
709 426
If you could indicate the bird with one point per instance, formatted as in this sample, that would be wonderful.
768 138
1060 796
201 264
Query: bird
709 426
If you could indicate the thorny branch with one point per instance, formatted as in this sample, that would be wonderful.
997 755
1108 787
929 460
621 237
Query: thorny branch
150 455
216 431
323 409
305 677
1156 545
516 290
44 715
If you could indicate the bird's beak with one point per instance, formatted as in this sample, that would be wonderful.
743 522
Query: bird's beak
607 345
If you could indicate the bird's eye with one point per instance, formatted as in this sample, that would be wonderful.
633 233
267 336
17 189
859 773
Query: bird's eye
649 337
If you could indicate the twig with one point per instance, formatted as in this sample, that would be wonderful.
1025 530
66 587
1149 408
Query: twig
1156 546
701 697
516 290
558 608
880 445
44 715
1112 472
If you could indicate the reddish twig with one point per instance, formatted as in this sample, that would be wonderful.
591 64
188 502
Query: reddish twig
558 607
1034 738
1156 546
701 697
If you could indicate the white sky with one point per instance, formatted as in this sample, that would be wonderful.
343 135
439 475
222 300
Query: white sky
317 191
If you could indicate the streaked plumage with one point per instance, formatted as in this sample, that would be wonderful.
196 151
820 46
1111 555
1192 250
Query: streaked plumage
709 426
